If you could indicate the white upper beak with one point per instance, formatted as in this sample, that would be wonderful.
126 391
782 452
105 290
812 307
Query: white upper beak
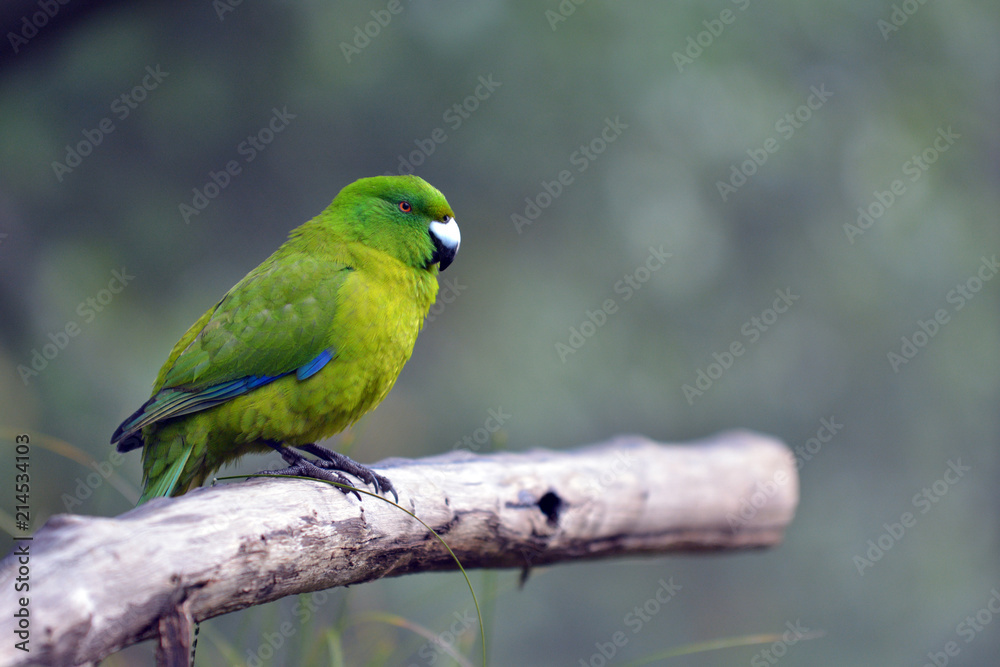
447 238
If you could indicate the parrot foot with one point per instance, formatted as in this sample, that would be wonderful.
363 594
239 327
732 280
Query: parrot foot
328 467
300 466
331 460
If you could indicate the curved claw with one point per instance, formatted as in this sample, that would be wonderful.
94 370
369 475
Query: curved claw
382 484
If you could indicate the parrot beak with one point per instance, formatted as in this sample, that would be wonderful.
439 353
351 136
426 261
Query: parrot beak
446 238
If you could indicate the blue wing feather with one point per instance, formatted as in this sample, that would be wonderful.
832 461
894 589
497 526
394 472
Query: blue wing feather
169 403
313 367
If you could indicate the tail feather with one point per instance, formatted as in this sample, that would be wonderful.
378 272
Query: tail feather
164 485
130 442
126 429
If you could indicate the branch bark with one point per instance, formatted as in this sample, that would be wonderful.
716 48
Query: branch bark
100 584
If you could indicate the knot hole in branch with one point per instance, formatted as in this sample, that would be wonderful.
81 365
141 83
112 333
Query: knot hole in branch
550 504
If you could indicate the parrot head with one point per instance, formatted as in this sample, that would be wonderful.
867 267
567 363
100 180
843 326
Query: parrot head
403 216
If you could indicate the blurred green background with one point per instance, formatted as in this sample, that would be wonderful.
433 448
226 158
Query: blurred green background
807 111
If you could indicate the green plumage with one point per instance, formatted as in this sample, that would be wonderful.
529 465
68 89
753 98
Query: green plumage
306 343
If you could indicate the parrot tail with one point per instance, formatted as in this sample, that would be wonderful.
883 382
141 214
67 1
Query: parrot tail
130 442
164 483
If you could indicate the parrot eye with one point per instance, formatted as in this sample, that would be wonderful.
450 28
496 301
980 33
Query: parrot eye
405 207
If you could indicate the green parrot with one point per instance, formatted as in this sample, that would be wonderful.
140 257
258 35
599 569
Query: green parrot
304 345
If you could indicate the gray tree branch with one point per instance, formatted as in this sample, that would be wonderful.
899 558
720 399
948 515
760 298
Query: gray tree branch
100 584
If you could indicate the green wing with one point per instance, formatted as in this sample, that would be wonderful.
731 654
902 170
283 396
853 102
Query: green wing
275 321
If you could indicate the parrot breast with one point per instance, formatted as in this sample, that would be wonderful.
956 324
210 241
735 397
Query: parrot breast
378 316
